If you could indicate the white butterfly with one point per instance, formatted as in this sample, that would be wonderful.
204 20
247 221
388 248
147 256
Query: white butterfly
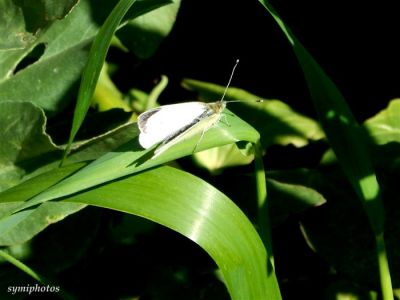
168 124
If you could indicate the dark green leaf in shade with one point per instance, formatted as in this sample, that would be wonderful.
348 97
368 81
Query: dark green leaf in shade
287 198
45 69
21 21
144 34
345 135
24 141
349 142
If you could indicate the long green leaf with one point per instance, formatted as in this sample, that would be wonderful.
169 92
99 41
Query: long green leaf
343 132
189 206
348 141
93 67
197 210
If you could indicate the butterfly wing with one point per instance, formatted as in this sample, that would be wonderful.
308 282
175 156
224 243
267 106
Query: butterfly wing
166 122
209 119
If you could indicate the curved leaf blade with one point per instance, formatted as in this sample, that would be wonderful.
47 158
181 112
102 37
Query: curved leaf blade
144 34
202 214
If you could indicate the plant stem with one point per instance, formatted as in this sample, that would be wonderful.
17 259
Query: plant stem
384 273
263 214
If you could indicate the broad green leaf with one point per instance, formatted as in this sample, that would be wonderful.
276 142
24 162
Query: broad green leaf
385 126
11 22
275 120
23 141
22 21
144 34
202 214
59 66
65 49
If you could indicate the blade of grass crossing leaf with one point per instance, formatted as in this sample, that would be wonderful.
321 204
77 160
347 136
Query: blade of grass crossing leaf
20 265
348 142
93 67
24 268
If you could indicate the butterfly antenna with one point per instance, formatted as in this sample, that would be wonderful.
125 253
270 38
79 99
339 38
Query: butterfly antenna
230 79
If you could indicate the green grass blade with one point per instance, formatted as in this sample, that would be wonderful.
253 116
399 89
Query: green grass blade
347 139
202 214
263 213
345 135
93 67
20 265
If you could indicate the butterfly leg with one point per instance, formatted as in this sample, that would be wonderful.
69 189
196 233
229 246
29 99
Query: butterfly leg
202 134
201 137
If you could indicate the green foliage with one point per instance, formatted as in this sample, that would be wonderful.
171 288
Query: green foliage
384 127
277 123
347 140
60 210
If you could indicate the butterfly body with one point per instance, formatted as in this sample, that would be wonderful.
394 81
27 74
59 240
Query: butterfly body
169 123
